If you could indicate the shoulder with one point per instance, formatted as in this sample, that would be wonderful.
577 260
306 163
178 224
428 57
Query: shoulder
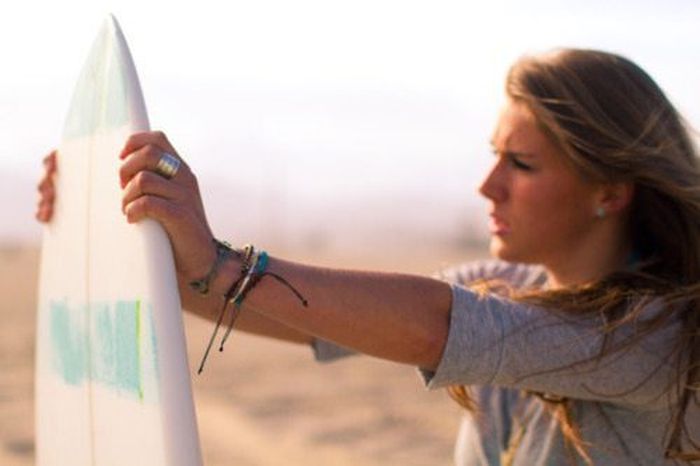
515 274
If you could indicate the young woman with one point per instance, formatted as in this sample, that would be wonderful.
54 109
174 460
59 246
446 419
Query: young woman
579 344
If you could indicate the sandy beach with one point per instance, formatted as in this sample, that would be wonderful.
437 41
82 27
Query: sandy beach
260 402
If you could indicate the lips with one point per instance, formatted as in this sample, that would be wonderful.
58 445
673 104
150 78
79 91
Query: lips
498 226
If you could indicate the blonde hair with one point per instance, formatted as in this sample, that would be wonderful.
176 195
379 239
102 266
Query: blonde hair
614 124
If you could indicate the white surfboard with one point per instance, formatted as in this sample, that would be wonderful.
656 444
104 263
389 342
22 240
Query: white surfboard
112 377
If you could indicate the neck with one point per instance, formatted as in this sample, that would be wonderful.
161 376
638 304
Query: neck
589 263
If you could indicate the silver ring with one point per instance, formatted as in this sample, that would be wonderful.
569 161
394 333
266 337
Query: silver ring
168 165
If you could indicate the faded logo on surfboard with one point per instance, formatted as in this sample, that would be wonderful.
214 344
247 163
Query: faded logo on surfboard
118 352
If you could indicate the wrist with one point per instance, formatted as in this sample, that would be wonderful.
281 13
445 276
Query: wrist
229 271
220 252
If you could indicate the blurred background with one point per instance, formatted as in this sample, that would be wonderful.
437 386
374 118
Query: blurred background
352 134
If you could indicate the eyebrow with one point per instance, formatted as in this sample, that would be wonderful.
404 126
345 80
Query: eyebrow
512 152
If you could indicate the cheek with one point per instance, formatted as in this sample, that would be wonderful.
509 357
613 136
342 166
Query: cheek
553 208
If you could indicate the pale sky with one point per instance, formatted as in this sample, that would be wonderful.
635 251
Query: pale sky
317 100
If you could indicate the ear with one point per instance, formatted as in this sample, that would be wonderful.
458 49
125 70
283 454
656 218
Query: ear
615 197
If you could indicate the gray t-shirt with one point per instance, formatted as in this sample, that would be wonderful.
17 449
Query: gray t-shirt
502 349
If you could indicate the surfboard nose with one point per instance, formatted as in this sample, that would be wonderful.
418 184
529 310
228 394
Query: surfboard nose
112 25
111 19
108 93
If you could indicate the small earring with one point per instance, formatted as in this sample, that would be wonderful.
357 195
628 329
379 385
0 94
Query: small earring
600 212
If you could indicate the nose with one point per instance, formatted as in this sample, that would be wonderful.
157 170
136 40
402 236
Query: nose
494 186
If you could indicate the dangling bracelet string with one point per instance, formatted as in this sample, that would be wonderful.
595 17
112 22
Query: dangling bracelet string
257 265
216 330
247 254
285 283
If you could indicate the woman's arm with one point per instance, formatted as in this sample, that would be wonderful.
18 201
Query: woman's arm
393 316
398 317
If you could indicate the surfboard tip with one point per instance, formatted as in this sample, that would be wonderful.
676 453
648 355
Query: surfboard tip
112 23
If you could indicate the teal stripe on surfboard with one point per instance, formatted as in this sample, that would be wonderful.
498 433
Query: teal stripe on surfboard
123 357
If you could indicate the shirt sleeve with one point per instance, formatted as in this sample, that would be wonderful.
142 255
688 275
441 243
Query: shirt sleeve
493 340
325 351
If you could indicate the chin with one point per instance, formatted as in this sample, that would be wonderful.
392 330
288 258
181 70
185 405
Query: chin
500 249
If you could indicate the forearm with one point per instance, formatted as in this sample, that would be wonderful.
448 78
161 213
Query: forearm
250 321
398 317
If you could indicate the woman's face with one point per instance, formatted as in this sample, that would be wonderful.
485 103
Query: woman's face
540 208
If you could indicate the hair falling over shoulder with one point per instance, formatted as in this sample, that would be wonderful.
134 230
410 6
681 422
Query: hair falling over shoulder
614 124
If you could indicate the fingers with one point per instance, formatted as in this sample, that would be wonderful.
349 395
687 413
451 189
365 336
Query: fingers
146 150
139 177
146 183
44 212
145 158
46 189
45 186
49 162
150 206
153 138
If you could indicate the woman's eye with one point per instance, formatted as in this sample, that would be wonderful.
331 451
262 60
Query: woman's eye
519 165
512 159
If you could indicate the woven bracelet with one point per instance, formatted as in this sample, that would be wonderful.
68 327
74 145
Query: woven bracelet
223 250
